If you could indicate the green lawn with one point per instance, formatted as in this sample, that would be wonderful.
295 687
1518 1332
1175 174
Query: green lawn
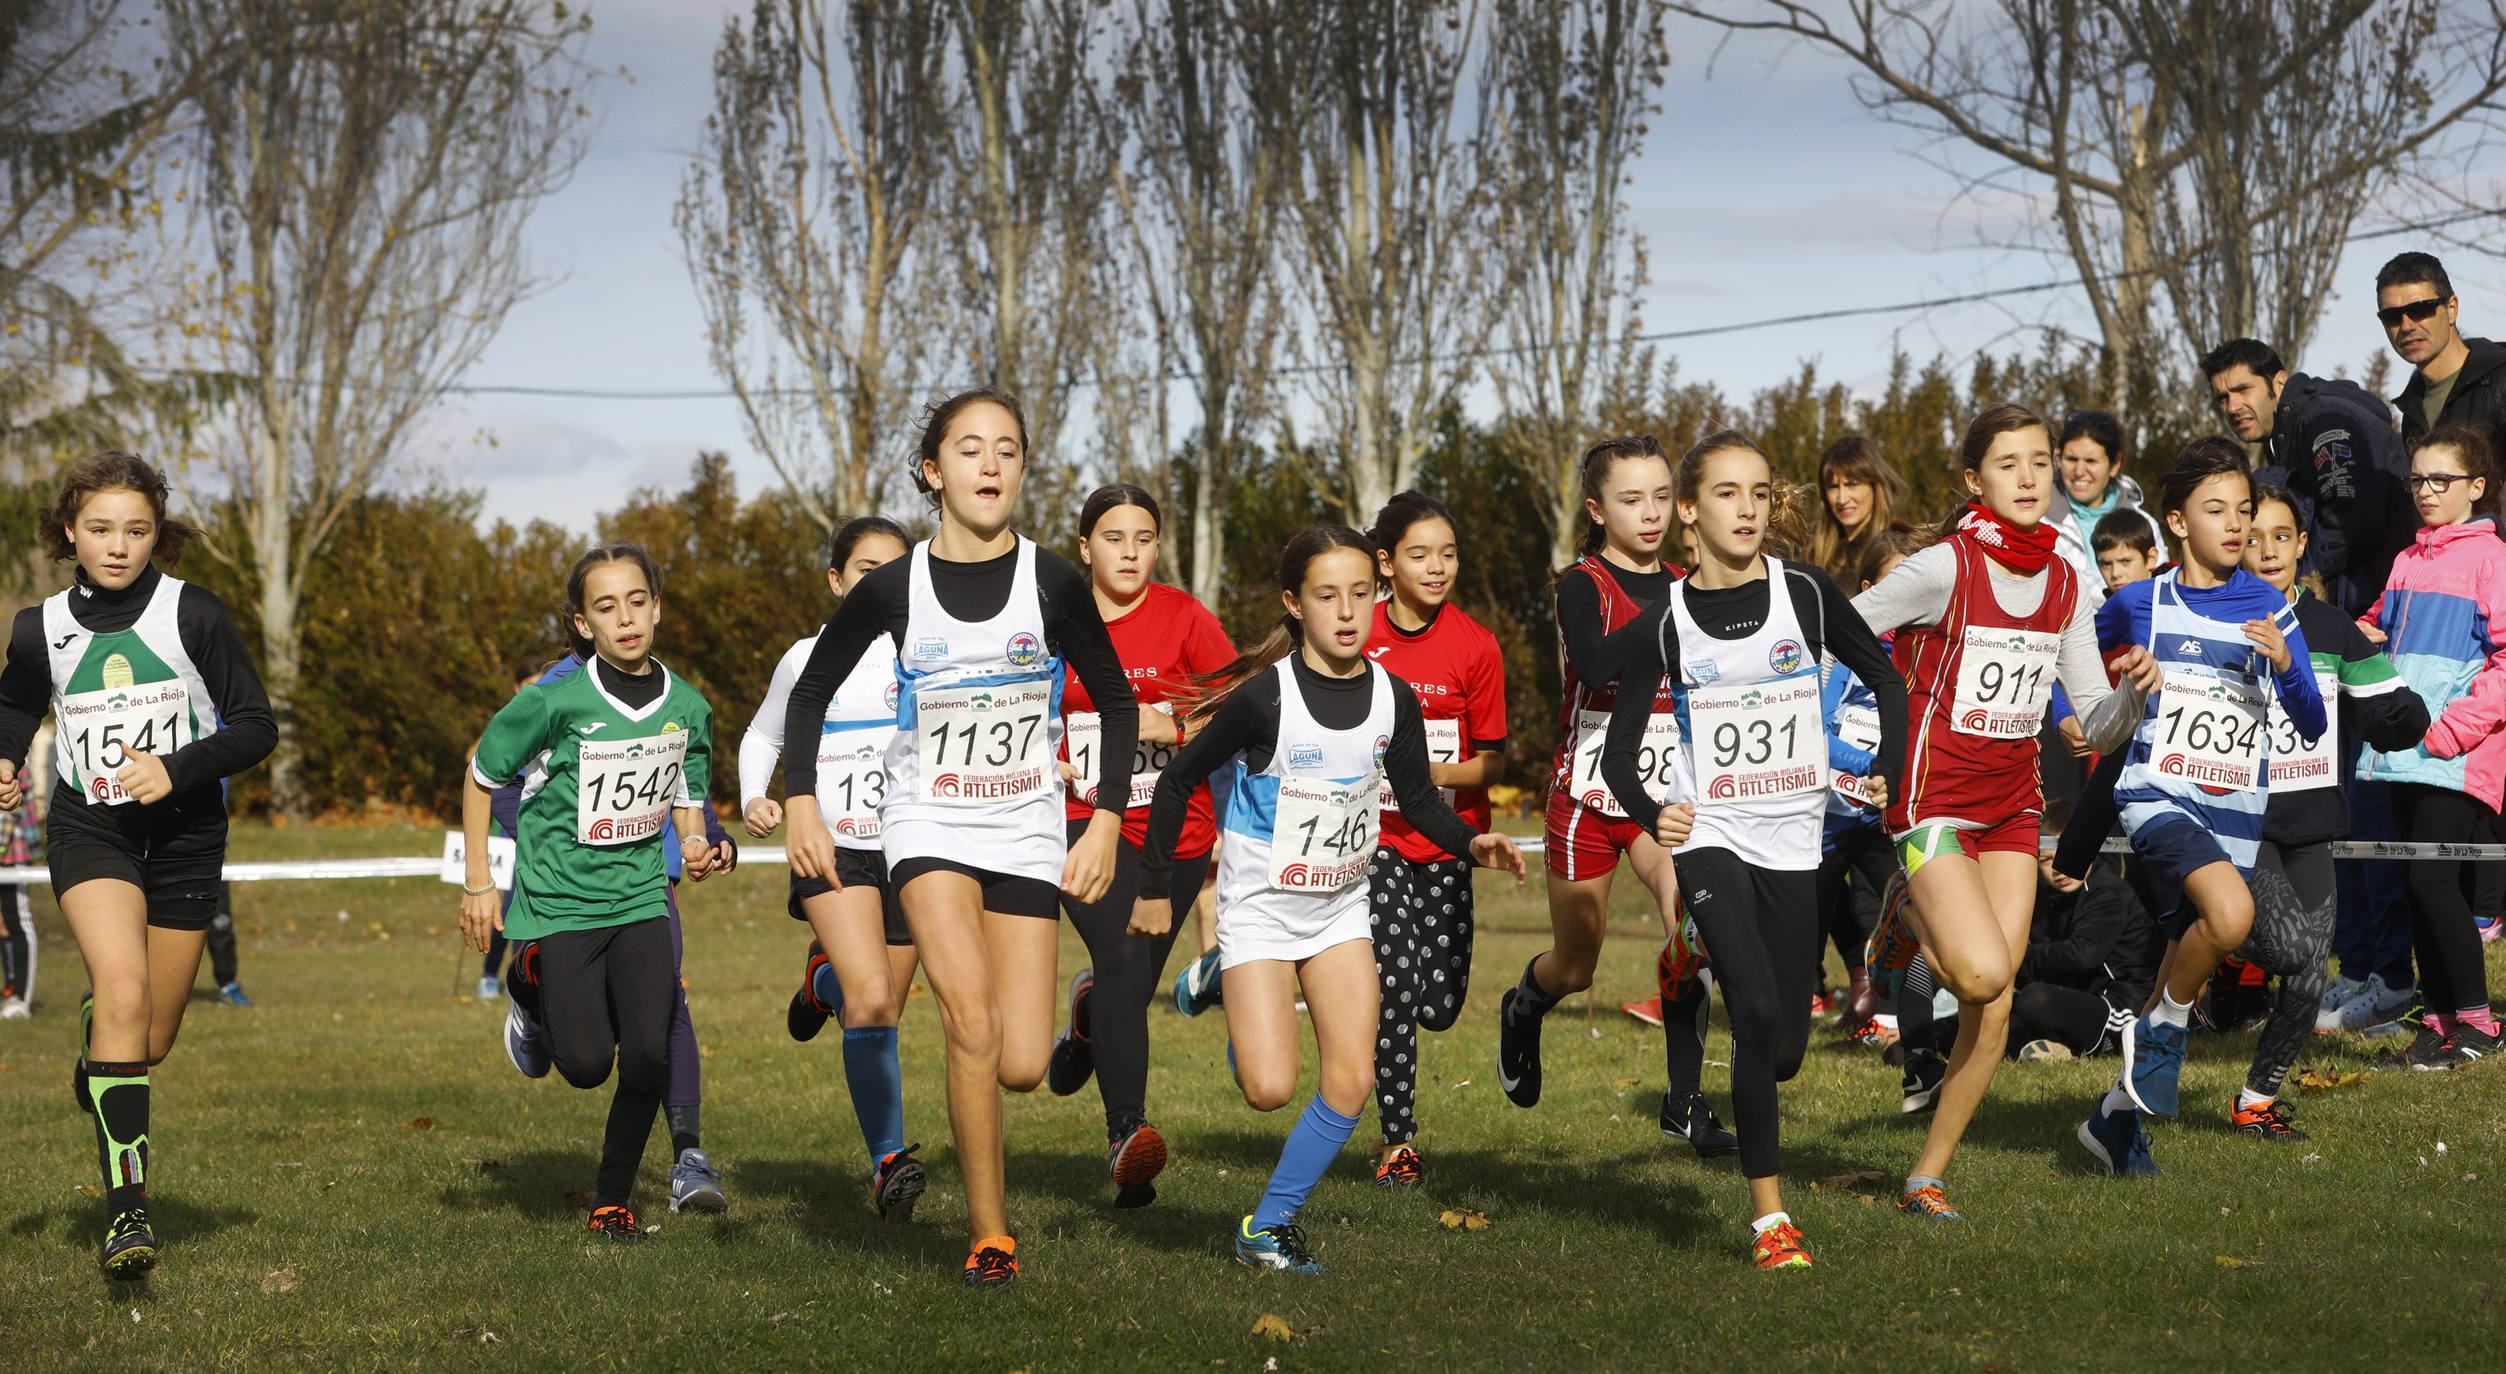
351 1175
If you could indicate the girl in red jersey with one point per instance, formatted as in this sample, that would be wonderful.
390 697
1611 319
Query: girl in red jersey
1989 620
1164 638
1620 571
1420 895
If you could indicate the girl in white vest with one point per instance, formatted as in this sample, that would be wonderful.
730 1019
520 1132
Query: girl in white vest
972 822
157 704
1309 730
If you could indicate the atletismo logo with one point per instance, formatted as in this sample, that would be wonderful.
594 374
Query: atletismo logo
1025 650
947 785
1785 657
1974 719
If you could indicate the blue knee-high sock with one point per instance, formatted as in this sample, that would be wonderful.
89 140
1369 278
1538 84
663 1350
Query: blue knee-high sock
878 1088
1316 1138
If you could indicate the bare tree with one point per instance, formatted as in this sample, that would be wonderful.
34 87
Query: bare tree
801 221
1390 210
2207 156
363 178
1201 195
1033 157
1574 84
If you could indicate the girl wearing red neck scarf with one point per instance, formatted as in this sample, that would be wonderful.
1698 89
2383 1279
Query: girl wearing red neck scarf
1988 620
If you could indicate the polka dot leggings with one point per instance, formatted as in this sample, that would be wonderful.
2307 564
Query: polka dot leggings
1422 917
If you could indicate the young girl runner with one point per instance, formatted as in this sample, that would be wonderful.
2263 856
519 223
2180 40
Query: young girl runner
1619 571
1421 896
1740 638
982 621
1987 620
2306 810
1312 731
1165 639
1862 495
155 704
2191 790
621 753
2443 616
861 957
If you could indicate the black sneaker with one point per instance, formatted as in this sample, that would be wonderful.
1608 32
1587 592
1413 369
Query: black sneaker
2464 1047
2424 1047
896 1184
1921 1084
130 1248
1690 1119
804 1018
1074 1055
1518 1051
1133 1160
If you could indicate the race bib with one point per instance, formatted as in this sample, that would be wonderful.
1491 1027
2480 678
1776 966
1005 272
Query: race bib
1444 745
852 781
1758 742
100 729
1083 734
1659 758
1858 726
1322 833
2005 680
624 789
2208 731
983 744
2297 766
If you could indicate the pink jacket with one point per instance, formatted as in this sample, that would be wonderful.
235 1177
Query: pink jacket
2444 614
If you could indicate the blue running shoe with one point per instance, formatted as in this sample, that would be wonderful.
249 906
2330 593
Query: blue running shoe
2119 1143
2153 1057
1275 1247
232 994
526 1041
694 1186
1197 988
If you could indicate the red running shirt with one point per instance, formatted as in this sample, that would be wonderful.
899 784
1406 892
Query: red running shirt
1952 775
1454 668
1163 642
1580 698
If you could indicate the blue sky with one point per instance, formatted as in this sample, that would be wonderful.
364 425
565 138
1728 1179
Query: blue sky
1765 191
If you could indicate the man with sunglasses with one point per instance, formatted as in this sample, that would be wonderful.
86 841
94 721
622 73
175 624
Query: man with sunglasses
2332 442
2453 380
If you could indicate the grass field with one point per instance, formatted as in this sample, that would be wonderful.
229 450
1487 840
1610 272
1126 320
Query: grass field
350 1175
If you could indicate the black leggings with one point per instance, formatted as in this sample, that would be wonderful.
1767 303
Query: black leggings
2074 1018
1851 878
1128 969
2293 911
1422 918
2451 975
606 988
1761 928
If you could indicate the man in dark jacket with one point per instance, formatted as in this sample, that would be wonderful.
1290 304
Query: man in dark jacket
2453 380
2333 443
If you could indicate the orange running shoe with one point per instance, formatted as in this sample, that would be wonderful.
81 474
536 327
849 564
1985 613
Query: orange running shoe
1399 1168
1648 1011
1929 1203
1892 945
615 1223
994 1263
1779 1247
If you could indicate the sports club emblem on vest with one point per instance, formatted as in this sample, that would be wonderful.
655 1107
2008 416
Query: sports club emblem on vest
1785 657
1305 756
1025 650
116 671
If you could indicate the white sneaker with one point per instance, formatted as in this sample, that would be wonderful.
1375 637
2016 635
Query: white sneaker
13 1009
2374 1005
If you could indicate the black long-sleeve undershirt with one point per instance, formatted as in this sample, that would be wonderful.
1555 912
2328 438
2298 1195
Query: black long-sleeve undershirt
1599 658
246 730
1247 722
879 604
1828 620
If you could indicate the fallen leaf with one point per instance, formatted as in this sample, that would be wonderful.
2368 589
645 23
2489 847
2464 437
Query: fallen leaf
91 1190
2315 1080
1273 1326
1463 1084
1453 1220
1855 1179
280 1280
2232 1262
1623 1082
418 1123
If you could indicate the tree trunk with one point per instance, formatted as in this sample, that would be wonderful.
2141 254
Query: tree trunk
282 669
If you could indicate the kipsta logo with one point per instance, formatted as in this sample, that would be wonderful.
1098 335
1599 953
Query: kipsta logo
1025 650
1785 657
1305 756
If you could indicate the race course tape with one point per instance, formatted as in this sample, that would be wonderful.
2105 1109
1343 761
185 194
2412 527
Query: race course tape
432 866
